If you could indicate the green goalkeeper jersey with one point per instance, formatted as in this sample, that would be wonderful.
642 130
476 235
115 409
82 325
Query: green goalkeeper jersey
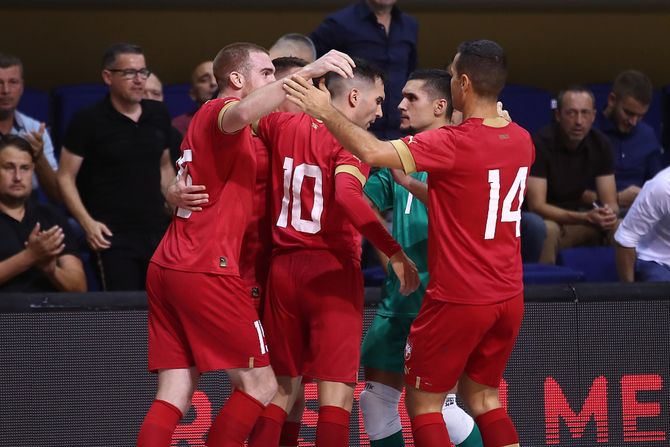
410 229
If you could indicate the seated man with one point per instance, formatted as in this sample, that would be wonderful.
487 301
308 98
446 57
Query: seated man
570 156
16 123
635 147
37 251
643 238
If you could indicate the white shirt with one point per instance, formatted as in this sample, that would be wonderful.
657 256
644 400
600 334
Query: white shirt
24 124
646 227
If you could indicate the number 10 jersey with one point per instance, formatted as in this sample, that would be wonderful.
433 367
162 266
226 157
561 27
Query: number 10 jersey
305 159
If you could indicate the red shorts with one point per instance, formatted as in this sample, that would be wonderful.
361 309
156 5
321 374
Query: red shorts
447 339
202 320
314 315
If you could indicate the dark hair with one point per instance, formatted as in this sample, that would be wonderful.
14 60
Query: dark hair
234 57
635 84
574 89
485 64
437 83
17 142
9 60
363 71
283 64
111 53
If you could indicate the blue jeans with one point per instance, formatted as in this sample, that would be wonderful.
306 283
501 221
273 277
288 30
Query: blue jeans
533 234
649 271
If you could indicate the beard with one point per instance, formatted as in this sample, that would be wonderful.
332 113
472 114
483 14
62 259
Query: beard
14 201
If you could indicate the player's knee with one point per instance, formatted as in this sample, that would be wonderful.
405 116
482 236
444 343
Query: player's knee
262 385
458 422
379 404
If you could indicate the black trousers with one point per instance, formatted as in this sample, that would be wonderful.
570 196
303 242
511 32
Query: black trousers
124 265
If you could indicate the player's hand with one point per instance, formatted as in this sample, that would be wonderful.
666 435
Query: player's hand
181 194
627 196
95 235
603 217
44 246
36 140
502 113
311 100
406 272
334 61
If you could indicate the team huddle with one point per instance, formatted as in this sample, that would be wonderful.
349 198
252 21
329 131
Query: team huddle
299 146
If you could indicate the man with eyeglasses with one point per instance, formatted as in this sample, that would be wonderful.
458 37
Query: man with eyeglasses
571 157
13 122
115 167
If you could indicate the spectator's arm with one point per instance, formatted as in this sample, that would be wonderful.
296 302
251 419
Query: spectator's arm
536 197
167 172
46 176
70 164
606 188
15 265
625 262
67 274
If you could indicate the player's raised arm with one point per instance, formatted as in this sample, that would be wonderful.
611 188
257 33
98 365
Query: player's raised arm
267 98
316 102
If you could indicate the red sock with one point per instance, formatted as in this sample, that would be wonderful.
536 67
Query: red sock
332 428
267 431
235 421
290 432
497 428
158 425
429 430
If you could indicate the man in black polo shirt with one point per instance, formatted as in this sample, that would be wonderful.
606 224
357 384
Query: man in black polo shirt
37 252
571 156
114 169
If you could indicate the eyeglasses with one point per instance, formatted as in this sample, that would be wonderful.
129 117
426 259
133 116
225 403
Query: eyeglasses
130 73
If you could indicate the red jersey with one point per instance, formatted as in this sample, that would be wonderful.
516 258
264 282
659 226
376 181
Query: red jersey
257 245
305 159
209 241
476 184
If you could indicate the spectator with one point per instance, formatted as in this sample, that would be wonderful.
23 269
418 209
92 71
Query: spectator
36 249
16 123
153 90
294 45
114 166
203 88
635 147
571 156
375 30
644 234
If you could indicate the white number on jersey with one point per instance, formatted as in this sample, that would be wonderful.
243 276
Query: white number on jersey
515 191
186 157
292 190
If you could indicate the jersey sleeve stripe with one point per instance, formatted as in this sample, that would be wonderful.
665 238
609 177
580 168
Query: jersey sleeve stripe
222 112
353 170
405 155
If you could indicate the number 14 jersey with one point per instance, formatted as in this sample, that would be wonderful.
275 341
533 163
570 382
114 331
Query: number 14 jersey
305 159
476 182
